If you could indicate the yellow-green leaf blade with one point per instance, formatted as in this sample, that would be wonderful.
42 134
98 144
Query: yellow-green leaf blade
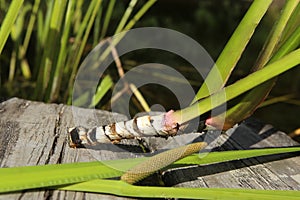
123 189
233 50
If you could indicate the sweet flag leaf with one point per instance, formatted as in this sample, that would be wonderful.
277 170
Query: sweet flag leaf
31 177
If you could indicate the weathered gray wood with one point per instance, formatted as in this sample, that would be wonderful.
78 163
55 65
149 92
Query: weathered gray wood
34 133
255 173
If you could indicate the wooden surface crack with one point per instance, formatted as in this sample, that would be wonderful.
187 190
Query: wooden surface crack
56 135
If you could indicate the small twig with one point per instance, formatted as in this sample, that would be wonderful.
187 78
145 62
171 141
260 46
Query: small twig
119 94
131 86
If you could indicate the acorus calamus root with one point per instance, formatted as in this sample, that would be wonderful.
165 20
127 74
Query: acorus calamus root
163 125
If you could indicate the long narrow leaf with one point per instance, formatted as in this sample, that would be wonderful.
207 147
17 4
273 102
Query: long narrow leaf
126 16
276 35
217 157
270 71
102 89
130 24
97 27
107 17
52 46
53 91
121 188
8 21
52 175
31 23
20 178
292 25
139 14
232 52
80 41
250 102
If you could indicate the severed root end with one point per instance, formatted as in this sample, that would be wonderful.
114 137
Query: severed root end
171 125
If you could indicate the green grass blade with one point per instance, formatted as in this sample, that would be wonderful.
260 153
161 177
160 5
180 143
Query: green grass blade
16 36
104 86
124 189
121 188
20 178
277 99
16 31
291 43
130 24
52 175
233 50
31 23
252 99
80 28
9 21
12 66
126 16
80 41
97 27
217 157
78 14
292 25
139 14
107 17
87 29
52 47
47 21
270 71
54 88
276 34
25 68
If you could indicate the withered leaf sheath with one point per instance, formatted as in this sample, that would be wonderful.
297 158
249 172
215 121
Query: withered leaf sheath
145 126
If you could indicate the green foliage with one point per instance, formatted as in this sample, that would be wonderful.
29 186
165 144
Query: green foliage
233 50
124 189
90 177
58 33
228 93
60 38
275 47
8 22
102 89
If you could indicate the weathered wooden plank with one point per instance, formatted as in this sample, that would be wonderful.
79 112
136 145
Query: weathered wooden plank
256 173
30 128
34 133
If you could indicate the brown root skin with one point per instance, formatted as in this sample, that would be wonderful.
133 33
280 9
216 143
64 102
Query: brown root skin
171 125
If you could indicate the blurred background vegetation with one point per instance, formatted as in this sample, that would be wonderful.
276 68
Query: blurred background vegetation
49 41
